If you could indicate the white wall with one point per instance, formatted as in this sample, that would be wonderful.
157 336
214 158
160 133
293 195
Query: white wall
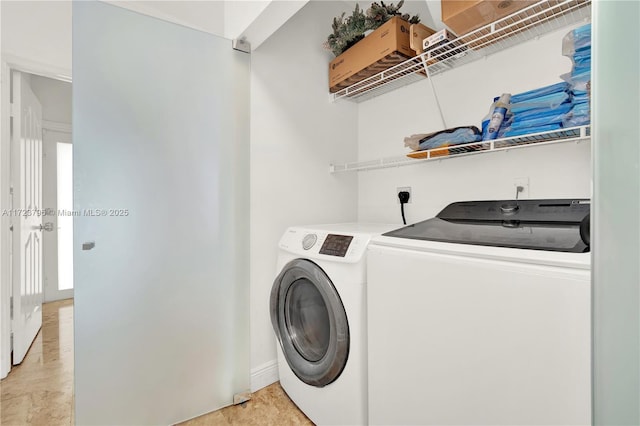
38 32
295 133
466 94
55 98
238 15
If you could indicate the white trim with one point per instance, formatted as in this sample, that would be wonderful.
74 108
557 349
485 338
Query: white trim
272 17
144 9
38 68
264 375
55 126
5 183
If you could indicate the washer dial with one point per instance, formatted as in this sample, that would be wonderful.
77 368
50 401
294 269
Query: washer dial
309 241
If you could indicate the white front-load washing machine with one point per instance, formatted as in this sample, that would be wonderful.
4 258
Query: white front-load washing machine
318 313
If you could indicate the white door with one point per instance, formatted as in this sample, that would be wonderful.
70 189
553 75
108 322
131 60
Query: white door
160 152
26 176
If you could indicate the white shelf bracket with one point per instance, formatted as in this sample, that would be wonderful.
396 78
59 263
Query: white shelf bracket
433 89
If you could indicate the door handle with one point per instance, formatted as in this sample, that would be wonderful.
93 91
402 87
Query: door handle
89 245
47 226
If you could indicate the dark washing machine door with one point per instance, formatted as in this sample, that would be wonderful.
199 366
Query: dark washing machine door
310 322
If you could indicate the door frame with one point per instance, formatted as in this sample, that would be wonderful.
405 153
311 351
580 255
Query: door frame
10 63
51 292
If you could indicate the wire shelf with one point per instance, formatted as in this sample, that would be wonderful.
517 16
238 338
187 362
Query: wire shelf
526 24
573 134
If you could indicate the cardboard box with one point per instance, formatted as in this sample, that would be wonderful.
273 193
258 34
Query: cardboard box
438 39
443 45
463 16
387 46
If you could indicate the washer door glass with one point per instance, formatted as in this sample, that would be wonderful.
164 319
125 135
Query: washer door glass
310 322
307 320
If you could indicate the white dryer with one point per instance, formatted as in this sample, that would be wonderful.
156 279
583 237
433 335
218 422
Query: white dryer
318 313
481 316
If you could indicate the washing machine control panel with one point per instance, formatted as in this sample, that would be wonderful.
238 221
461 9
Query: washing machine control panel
336 245
340 247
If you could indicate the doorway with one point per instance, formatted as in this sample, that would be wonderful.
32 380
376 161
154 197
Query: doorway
37 254
57 186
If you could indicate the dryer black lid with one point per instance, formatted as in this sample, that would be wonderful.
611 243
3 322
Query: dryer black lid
552 225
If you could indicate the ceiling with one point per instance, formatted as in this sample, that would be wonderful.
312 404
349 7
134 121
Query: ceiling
208 16
225 18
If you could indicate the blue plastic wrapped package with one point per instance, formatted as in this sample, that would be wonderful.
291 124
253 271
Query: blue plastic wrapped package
454 136
543 112
553 100
582 59
539 121
542 91
579 115
578 81
535 129
576 40
579 71
580 98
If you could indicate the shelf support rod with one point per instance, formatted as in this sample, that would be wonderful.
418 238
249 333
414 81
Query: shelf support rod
433 89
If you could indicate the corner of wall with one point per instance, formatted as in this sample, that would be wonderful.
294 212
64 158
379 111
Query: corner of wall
264 375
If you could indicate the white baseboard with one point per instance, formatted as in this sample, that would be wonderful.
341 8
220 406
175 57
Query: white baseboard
264 375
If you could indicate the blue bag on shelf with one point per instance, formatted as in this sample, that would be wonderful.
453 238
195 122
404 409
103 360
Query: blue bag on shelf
535 129
454 136
535 93
581 59
576 40
578 81
578 72
540 121
553 100
578 116
542 112
579 98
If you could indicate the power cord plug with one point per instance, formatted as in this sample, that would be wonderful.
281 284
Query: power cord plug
403 196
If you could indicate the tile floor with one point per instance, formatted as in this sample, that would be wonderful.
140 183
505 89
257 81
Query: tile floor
40 390
269 407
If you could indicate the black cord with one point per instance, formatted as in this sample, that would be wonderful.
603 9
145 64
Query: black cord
403 196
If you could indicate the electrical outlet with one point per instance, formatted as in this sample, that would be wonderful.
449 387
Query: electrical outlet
522 182
403 188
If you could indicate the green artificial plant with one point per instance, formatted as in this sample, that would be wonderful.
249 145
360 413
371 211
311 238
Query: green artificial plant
349 31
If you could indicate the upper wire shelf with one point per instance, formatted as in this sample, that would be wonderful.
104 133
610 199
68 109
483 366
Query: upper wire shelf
573 134
526 24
